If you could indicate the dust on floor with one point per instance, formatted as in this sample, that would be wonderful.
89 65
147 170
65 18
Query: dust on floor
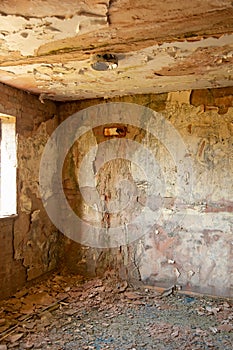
69 313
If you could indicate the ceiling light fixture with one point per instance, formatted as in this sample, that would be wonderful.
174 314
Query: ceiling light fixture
102 62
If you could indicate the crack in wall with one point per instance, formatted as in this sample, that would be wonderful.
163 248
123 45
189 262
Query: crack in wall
110 5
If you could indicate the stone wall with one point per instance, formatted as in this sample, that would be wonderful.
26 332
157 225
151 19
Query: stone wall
190 242
28 241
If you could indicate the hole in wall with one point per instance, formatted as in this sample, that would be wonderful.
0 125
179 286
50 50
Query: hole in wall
118 131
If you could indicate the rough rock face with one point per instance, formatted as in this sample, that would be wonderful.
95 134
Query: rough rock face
160 46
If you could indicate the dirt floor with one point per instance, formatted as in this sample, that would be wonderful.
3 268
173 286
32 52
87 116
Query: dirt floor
67 312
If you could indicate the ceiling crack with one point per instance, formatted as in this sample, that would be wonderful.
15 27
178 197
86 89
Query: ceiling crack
2 13
78 13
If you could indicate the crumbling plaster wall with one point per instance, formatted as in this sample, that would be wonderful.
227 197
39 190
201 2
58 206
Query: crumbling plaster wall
28 241
194 246
193 249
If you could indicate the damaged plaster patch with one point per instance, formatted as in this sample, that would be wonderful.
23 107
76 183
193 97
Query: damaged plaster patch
26 35
151 70
29 165
66 8
25 201
35 215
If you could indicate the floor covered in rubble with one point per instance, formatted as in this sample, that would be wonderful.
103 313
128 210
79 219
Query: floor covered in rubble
68 312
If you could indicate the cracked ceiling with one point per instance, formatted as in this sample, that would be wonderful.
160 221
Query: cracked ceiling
49 47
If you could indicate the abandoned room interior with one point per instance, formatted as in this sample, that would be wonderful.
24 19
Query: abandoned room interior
116 186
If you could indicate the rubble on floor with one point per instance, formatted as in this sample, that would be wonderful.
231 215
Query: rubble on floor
68 312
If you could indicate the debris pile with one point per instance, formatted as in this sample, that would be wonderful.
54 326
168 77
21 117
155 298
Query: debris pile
69 312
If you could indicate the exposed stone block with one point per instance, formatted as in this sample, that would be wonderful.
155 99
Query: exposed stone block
221 98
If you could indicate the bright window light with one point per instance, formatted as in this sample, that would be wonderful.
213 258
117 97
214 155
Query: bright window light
8 164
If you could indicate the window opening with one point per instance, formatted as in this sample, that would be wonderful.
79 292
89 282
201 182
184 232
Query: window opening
8 164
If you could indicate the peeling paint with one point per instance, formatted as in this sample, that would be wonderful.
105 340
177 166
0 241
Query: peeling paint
145 71
158 47
190 244
26 35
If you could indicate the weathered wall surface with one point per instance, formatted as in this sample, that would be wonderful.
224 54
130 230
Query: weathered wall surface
160 46
191 241
28 241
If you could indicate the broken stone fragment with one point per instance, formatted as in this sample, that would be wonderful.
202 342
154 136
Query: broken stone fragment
15 337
